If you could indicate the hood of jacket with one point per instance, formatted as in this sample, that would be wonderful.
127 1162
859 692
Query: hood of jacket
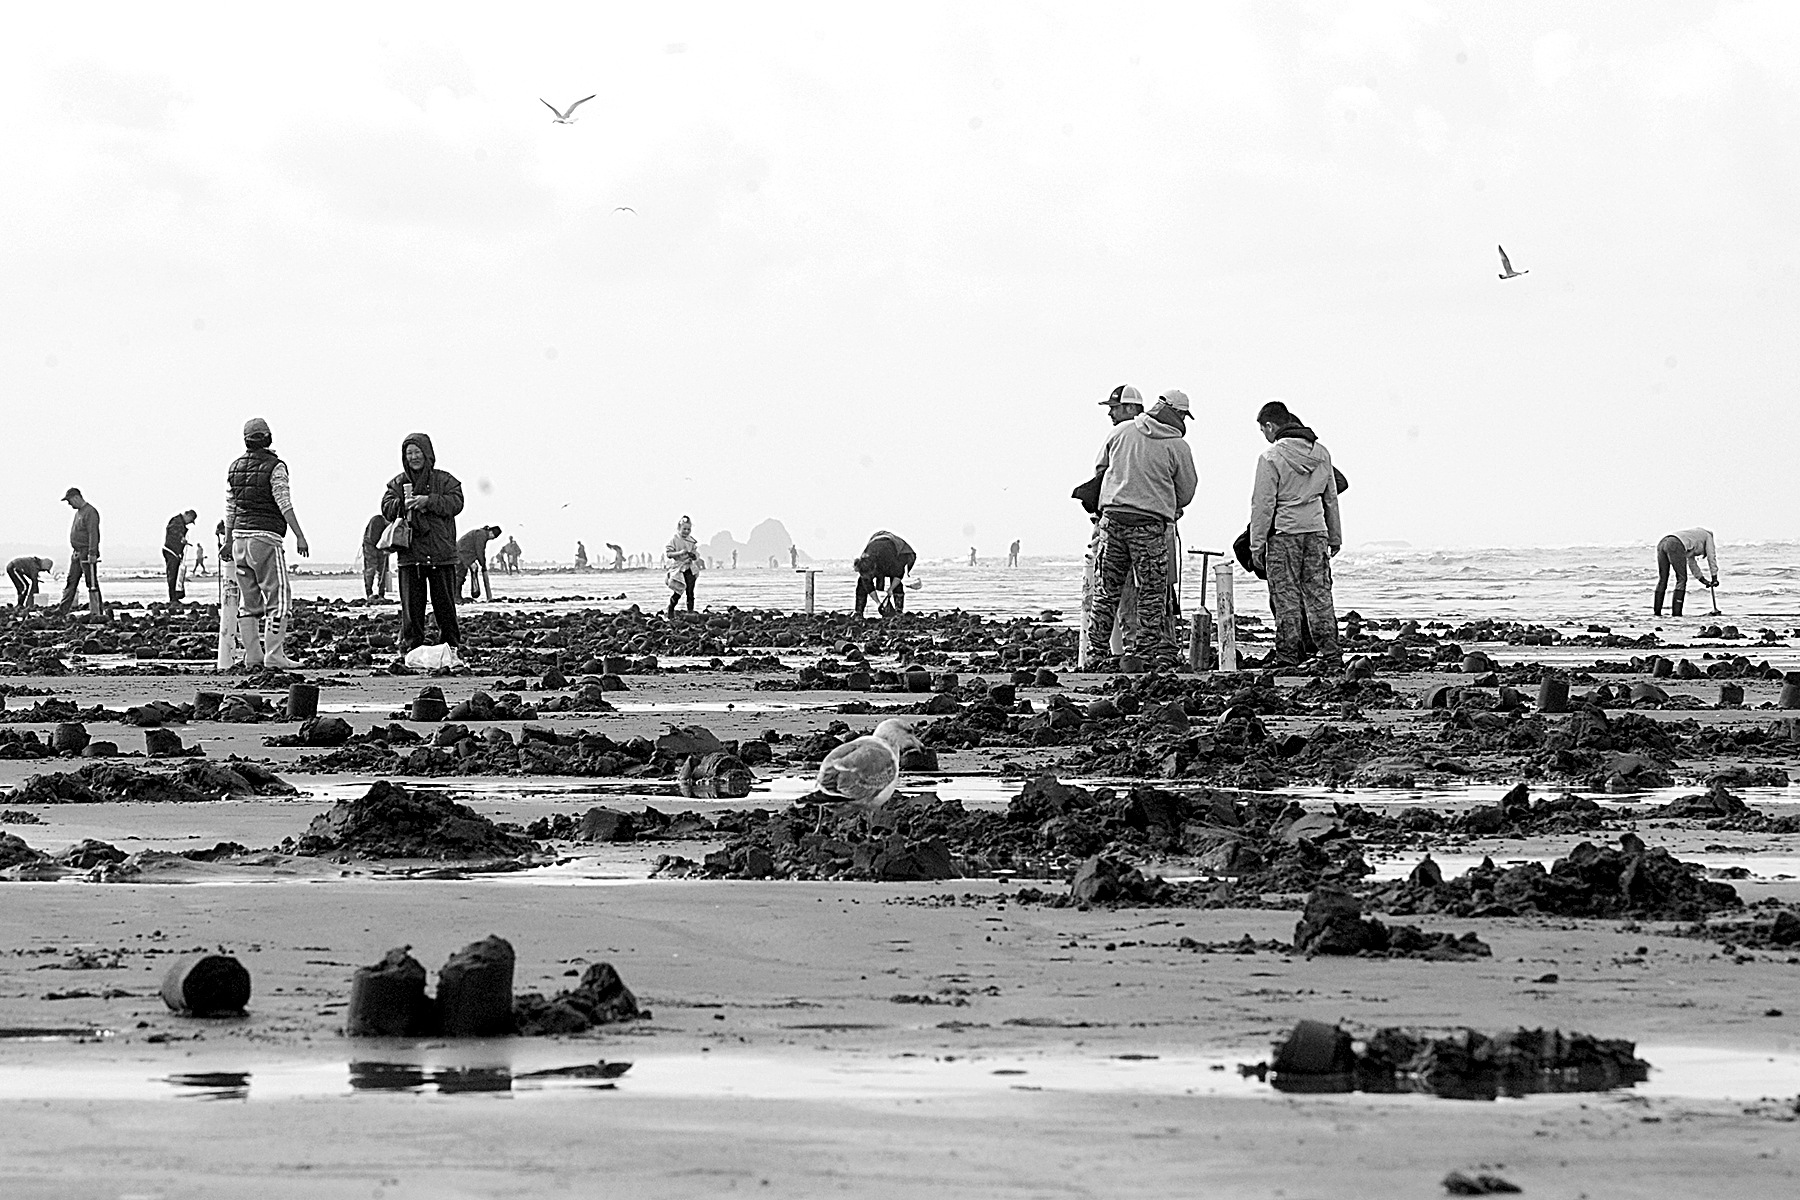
423 442
1151 427
1299 454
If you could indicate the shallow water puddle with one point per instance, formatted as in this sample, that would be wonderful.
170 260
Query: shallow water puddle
1677 1071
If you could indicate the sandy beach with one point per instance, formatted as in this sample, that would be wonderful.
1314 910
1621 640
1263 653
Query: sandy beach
856 1036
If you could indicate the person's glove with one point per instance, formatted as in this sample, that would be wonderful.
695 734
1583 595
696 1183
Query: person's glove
1257 562
1334 551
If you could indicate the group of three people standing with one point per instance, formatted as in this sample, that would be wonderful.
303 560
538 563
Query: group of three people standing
1143 482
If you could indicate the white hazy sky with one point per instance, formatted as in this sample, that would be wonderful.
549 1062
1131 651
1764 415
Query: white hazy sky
884 262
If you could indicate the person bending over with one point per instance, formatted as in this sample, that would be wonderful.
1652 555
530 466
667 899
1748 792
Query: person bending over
1677 550
886 557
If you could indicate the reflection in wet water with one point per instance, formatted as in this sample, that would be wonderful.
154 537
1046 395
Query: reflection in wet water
1484 1085
212 1085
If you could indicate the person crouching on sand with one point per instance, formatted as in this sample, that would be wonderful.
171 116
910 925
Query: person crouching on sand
429 499
24 574
885 557
1677 550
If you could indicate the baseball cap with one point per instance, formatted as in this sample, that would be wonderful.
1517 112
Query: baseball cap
1123 394
71 493
1176 399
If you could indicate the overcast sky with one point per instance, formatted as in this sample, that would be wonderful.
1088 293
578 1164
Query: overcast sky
882 267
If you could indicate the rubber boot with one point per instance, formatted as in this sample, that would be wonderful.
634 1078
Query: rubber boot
251 638
273 655
1675 602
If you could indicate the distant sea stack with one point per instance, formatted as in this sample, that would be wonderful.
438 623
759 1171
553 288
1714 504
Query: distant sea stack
770 539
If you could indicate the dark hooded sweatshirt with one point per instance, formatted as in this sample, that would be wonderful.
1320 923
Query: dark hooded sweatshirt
434 524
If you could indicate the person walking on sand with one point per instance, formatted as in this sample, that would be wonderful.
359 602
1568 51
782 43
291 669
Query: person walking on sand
682 562
429 499
886 557
24 574
1147 480
175 536
1677 550
1012 554
581 561
1295 533
618 555
374 559
471 560
510 555
259 510
84 557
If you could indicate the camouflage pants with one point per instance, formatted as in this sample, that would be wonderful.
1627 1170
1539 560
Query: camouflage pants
1299 566
1138 553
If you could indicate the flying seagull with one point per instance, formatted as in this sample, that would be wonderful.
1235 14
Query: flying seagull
625 208
1506 271
565 116
864 771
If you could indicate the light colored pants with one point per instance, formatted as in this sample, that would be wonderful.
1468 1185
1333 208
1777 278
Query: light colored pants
263 579
230 650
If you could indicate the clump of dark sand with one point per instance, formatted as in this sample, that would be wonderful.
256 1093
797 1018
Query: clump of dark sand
391 822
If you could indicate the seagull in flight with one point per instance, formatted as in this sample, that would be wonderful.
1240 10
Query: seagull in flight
1506 271
565 116
625 208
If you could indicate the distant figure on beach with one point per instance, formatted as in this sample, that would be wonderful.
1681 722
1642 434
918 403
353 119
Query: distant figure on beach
471 560
199 558
734 560
24 574
84 556
971 556
174 550
231 650
1012 554
1147 480
1677 550
259 510
682 562
1295 533
618 555
885 558
374 559
581 563
429 498
794 557
510 552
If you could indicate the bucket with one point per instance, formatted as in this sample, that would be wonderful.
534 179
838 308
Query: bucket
206 985
303 701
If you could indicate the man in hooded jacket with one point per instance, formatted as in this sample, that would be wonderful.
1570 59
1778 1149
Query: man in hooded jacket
1147 480
1294 533
430 499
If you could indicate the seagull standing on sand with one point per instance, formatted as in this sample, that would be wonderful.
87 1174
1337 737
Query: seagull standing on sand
565 116
1506 271
866 770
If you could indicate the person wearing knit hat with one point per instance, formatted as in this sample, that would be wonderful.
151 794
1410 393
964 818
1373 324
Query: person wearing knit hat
1294 534
259 510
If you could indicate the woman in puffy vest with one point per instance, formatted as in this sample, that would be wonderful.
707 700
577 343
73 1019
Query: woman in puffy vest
429 499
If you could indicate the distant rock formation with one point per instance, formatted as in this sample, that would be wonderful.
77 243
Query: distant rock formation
770 539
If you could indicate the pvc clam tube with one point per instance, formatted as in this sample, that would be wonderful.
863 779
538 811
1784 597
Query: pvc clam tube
207 985
388 999
474 994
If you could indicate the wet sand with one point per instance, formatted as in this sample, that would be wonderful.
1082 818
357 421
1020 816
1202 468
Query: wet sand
814 1038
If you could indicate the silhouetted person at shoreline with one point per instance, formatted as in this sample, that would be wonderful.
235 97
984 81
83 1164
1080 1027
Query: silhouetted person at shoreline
581 563
1012 554
375 559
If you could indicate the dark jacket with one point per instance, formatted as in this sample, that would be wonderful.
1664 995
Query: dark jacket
84 532
434 524
372 534
889 555
249 481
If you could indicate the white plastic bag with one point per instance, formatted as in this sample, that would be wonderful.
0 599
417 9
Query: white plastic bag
440 657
